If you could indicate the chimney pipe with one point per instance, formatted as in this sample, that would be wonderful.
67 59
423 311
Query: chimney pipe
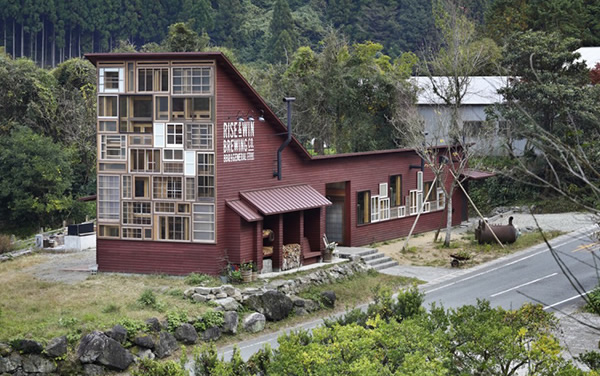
289 101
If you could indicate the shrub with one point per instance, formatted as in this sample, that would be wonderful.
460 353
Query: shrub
148 298
132 326
156 368
590 359
210 319
196 279
593 304
5 244
175 319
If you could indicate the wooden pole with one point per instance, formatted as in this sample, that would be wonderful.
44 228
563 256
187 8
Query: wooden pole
418 215
477 210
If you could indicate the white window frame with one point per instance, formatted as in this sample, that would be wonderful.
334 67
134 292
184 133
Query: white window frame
384 208
441 199
205 172
182 83
159 135
190 163
101 80
401 211
374 209
174 134
127 186
383 190
206 222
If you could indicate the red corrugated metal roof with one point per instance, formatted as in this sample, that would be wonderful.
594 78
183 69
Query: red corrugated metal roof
285 199
244 211
470 173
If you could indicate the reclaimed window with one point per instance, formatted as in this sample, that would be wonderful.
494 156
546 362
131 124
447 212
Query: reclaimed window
132 233
175 135
109 194
153 80
161 108
206 175
113 147
197 80
141 187
111 80
107 126
199 136
107 106
204 223
164 207
190 189
395 190
192 108
137 213
173 228
144 160
126 186
433 194
173 155
168 187
108 231
363 213
135 113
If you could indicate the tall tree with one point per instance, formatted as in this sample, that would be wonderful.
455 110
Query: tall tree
449 68
284 37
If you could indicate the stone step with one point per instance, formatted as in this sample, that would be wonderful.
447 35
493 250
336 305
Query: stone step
386 265
348 252
378 261
372 256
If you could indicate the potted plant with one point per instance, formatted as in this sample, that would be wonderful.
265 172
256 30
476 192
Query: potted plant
246 270
254 271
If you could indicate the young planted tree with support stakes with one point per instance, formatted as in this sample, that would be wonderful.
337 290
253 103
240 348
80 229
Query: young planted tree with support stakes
449 69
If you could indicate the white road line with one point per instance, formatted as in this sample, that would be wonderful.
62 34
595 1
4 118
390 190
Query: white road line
504 265
522 285
566 300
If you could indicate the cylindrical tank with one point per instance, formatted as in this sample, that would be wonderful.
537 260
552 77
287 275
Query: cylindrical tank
505 233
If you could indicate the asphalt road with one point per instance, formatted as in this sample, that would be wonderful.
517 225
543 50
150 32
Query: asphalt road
532 275
528 276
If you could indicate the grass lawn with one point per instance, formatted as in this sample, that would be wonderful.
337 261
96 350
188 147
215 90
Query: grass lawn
40 310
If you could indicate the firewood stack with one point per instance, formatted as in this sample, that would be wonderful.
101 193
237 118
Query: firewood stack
292 256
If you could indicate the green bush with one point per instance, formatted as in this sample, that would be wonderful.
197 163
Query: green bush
590 359
593 304
148 298
210 319
155 368
175 319
196 279
132 326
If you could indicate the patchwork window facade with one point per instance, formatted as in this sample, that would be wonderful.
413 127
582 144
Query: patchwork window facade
156 151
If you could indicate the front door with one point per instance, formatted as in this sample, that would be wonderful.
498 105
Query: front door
334 215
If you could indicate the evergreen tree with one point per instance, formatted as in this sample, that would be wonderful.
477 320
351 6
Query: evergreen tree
284 37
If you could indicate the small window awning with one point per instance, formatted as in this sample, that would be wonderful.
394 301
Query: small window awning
285 199
244 211
473 174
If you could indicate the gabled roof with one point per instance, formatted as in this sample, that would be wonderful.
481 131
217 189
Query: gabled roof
224 63
481 90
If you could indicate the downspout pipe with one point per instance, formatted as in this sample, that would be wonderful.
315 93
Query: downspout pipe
287 141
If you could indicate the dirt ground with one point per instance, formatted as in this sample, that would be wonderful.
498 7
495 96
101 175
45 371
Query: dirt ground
422 250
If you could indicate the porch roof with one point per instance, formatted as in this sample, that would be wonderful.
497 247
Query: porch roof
244 211
473 174
285 199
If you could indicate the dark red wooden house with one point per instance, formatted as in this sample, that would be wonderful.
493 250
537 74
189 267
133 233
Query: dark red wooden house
188 176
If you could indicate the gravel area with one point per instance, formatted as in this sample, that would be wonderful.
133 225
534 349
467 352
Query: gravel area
565 222
66 267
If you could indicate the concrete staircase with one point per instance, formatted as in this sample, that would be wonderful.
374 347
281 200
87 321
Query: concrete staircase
370 256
